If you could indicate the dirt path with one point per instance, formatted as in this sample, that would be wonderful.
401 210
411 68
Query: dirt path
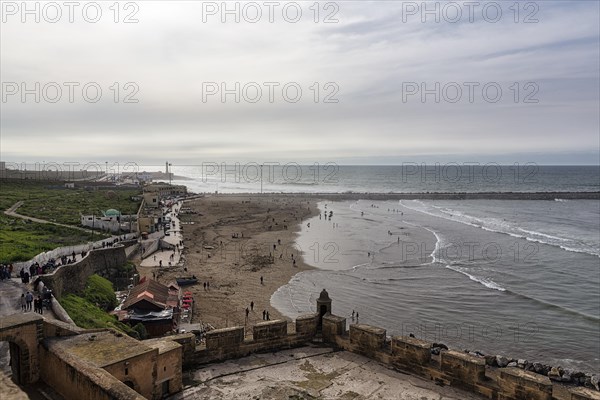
11 212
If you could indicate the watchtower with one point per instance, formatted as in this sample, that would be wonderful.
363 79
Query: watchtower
323 306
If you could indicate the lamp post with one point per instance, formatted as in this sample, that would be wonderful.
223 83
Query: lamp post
170 174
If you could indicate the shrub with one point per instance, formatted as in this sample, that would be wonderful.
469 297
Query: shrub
141 331
99 290
86 315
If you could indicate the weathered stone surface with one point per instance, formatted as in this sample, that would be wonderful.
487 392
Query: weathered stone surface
515 383
584 394
24 331
269 330
409 352
71 278
312 373
332 326
463 369
367 337
307 324
223 338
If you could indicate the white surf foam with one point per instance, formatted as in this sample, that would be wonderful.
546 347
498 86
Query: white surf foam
487 282
500 226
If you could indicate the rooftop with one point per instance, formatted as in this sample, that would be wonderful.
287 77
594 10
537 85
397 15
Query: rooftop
100 348
163 345
153 292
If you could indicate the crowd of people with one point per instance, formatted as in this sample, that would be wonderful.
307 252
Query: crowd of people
6 271
49 266
27 300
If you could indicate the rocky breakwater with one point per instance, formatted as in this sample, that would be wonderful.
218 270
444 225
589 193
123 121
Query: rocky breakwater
555 373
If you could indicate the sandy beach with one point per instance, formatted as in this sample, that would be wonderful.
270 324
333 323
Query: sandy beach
230 243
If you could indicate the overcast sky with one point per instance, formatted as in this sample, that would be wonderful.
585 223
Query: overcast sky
373 58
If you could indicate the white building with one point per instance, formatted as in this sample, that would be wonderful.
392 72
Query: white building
111 221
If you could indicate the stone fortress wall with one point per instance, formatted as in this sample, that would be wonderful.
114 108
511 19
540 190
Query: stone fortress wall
65 372
405 354
71 278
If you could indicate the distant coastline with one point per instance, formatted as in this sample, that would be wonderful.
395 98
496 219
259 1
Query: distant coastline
551 196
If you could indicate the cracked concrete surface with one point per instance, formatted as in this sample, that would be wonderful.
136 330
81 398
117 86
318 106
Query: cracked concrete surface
311 373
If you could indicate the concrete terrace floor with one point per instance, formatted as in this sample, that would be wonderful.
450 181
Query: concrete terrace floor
310 373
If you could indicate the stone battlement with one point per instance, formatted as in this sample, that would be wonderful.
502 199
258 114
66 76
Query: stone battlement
228 343
406 354
413 356
121 370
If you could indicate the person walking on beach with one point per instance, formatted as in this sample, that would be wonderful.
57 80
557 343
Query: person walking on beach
251 306
247 313
352 315
23 303
264 315
268 318
261 280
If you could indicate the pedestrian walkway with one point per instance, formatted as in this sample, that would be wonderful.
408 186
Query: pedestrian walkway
166 257
10 298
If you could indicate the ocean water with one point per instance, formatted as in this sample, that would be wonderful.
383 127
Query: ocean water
407 178
519 278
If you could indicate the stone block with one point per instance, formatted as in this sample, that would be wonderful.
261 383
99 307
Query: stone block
462 369
518 384
410 352
270 330
367 337
332 326
225 338
307 324
581 393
